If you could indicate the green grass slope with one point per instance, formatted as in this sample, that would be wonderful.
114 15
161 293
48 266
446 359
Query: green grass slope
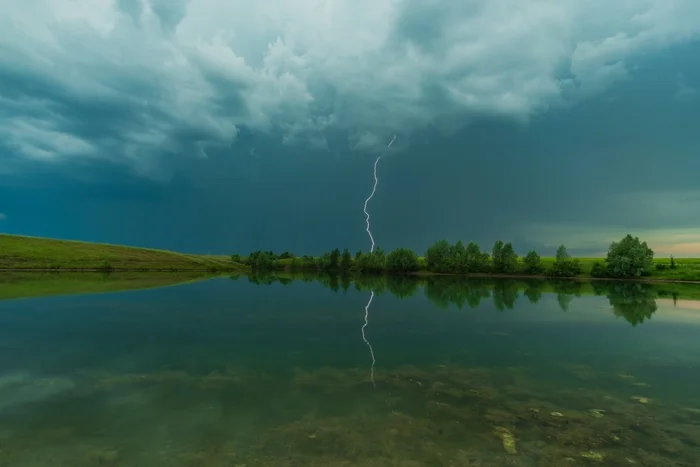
32 253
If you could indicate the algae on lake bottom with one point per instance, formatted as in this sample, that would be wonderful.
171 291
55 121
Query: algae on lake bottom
444 415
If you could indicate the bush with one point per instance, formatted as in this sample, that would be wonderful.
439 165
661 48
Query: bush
564 266
372 261
568 268
599 270
402 260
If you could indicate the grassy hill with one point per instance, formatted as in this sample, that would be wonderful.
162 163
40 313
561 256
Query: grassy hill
32 253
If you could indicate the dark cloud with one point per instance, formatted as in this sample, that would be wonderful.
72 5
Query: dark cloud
142 79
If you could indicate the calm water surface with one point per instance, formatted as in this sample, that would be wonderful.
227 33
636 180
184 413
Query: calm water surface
232 373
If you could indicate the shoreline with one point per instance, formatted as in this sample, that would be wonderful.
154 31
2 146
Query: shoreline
648 280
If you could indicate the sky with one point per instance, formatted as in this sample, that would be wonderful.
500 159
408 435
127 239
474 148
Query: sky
221 126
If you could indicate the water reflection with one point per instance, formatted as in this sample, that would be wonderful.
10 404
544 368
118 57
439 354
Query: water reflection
228 373
635 302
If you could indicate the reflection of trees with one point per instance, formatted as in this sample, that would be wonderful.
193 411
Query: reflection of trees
533 291
402 286
377 283
505 293
566 291
477 291
663 293
345 281
446 290
262 277
634 302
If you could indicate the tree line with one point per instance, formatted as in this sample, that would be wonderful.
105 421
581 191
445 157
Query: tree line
629 257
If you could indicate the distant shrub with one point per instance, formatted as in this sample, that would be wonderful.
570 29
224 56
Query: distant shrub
402 260
532 263
564 266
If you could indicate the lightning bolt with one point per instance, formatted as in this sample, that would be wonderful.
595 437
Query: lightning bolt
365 338
371 238
374 190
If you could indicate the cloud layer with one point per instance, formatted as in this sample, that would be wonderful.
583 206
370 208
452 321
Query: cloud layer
136 80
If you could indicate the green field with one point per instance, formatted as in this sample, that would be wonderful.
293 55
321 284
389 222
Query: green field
687 269
44 284
32 253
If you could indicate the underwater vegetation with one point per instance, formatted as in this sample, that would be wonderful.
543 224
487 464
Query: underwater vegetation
442 415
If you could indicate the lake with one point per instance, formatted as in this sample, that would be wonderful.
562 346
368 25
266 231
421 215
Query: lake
292 371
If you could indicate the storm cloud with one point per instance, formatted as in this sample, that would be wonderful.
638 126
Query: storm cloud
137 81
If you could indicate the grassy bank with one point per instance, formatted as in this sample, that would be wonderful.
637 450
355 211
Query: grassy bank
32 253
687 269
43 284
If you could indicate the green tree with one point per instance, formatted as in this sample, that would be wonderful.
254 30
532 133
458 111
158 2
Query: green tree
509 259
402 260
562 254
564 265
436 256
504 259
373 261
629 257
532 263
497 256
476 261
456 261
261 260
346 260
334 259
